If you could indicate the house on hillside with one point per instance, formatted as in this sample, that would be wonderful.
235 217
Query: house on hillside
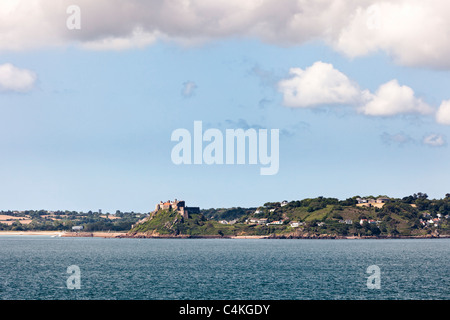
278 222
261 221
378 202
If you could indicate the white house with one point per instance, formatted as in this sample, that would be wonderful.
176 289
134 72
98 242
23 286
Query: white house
258 221
228 222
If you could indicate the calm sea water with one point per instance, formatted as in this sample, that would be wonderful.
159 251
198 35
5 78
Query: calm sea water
35 267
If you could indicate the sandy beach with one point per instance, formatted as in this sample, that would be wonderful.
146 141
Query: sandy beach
31 233
248 237
62 234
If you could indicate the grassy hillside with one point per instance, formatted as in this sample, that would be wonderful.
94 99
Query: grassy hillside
410 216
168 222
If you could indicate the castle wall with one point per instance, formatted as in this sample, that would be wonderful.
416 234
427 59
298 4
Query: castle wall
178 206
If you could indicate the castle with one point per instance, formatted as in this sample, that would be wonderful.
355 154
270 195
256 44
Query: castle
178 206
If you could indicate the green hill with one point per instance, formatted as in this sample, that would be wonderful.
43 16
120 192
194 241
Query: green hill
316 217
171 223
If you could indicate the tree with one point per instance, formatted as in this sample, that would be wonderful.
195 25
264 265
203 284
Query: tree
420 195
349 202
17 226
373 229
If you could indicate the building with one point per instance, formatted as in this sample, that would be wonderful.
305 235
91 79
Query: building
378 202
296 224
261 221
77 228
179 206
382 200
276 222
228 222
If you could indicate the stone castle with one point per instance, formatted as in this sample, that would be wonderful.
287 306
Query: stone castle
179 206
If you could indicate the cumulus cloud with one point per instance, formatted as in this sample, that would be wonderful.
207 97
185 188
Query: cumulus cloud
443 113
322 84
392 99
16 79
434 140
318 84
137 39
413 32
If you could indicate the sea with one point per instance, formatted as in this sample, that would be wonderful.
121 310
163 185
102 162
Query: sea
58 268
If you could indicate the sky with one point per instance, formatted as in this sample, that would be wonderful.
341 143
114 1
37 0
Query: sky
91 92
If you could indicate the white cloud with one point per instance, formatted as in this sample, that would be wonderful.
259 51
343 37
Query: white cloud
15 79
392 99
413 32
137 39
318 84
434 140
322 84
443 113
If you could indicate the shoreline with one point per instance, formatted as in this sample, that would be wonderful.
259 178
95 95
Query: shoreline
99 234
31 233
120 235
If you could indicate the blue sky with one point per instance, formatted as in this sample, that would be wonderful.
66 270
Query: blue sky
90 129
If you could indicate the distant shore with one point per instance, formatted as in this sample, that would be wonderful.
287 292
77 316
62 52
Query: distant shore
31 233
102 234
